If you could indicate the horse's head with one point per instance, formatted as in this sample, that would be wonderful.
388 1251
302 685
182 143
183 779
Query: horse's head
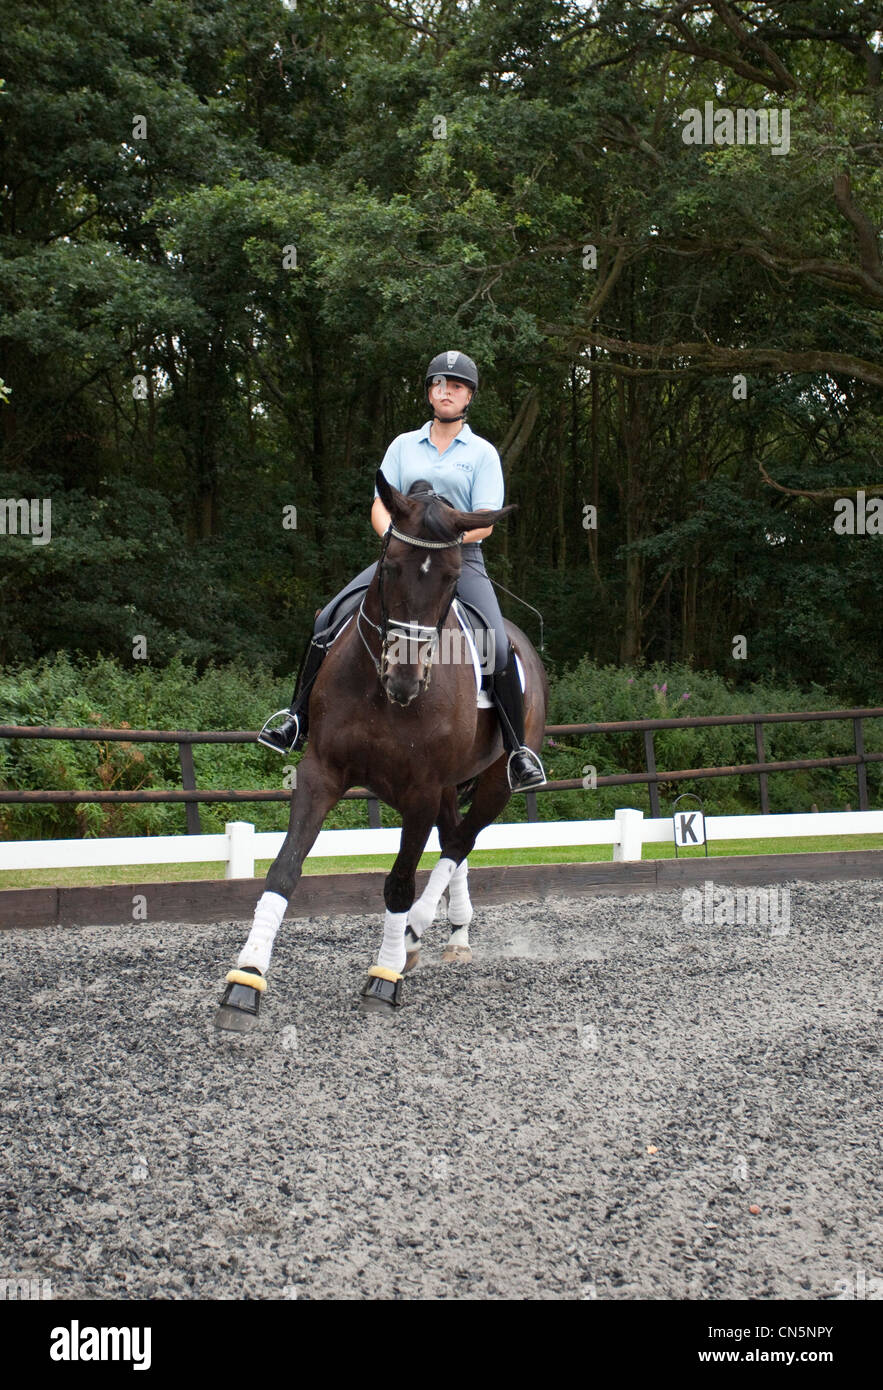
417 576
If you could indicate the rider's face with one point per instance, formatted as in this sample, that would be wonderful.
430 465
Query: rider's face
449 397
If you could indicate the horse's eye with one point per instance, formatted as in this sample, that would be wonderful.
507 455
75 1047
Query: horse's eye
393 568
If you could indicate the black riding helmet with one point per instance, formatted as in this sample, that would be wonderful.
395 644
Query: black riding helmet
458 367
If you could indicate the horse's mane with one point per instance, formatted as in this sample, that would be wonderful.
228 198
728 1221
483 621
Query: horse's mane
436 522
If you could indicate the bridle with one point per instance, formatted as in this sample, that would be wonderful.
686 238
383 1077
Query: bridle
396 627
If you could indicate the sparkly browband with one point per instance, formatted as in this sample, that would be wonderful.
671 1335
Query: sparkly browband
426 545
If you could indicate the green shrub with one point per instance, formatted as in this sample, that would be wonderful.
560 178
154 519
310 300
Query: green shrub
72 693
588 693
105 694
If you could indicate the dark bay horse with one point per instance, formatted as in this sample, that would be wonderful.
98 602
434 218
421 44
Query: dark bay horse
378 720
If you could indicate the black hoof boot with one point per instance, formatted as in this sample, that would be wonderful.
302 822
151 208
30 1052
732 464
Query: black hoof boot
240 1002
524 770
382 992
287 738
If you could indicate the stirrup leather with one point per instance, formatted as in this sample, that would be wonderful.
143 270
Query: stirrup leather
287 714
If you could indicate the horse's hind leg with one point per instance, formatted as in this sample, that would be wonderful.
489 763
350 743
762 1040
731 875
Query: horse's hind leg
422 912
458 838
316 792
460 914
450 872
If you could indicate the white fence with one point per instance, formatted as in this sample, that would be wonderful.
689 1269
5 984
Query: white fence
240 845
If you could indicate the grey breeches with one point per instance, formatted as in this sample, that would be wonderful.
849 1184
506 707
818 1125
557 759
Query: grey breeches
474 586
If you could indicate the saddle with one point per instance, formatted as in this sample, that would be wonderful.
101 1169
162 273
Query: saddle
345 610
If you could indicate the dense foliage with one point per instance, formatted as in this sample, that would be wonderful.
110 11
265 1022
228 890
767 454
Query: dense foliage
255 212
104 693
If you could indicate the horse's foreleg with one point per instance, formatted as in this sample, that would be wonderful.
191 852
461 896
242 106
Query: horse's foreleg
316 792
383 989
422 912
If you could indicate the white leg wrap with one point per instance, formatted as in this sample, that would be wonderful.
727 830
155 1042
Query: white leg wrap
459 937
392 948
267 919
423 910
459 903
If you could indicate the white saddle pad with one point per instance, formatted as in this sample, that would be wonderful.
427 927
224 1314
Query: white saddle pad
482 697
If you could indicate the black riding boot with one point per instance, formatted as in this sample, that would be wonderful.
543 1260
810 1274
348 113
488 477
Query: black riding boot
291 734
524 768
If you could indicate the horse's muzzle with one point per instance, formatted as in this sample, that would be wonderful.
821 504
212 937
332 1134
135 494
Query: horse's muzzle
402 685
404 679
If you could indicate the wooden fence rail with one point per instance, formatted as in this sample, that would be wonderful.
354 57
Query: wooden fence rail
652 776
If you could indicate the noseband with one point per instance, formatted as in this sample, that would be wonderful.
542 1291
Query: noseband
415 632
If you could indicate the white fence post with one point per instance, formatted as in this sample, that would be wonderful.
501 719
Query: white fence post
631 842
240 849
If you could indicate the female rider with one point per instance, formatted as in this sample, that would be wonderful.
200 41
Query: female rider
465 469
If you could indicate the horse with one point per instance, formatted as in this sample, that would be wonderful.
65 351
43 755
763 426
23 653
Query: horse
387 711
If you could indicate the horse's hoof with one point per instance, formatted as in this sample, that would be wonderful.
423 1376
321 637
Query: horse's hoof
456 955
235 1020
412 960
370 1005
241 1001
382 992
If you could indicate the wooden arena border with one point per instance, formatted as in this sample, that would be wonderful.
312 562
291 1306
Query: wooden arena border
653 777
213 900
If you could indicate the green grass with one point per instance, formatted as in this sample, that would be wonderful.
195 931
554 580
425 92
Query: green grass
351 864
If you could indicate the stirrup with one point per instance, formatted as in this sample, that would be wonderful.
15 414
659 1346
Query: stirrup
535 779
275 745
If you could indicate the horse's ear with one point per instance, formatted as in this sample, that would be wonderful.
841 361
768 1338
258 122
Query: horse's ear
474 521
392 499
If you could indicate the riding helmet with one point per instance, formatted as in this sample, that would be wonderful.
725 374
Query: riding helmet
455 365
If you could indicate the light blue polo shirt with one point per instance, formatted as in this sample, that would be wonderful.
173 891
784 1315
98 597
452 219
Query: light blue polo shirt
468 473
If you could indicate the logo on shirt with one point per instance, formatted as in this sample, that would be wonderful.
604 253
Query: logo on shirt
467 467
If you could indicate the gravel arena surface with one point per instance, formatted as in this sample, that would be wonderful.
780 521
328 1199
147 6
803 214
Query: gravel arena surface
588 1110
